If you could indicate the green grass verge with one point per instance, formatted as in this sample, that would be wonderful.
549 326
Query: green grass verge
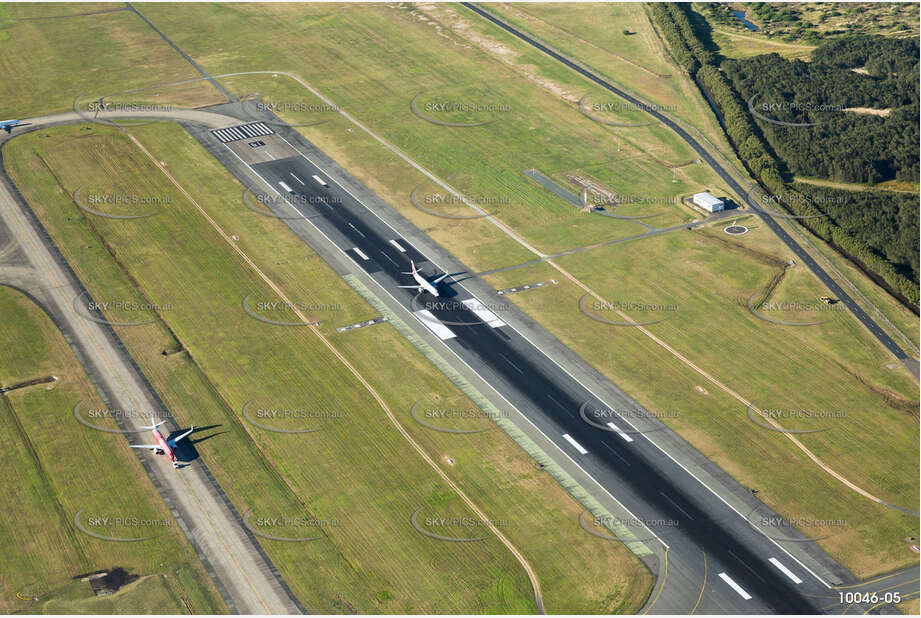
57 468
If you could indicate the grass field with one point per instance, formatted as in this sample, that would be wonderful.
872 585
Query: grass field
56 468
45 64
594 34
401 54
374 560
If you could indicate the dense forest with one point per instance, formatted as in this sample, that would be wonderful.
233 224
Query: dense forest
886 220
841 145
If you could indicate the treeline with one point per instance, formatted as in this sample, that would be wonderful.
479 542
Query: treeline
681 52
845 230
887 221
843 146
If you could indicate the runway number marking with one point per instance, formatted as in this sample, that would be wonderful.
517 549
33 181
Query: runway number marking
735 586
785 570
620 433
575 444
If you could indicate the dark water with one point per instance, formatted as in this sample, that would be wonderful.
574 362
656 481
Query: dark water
740 15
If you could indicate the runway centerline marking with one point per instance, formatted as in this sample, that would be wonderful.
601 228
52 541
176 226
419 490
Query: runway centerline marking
735 586
611 448
514 366
384 253
675 504
575 444
297 179
356 229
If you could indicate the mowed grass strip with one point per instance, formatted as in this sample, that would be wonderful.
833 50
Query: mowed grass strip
330 497
57 468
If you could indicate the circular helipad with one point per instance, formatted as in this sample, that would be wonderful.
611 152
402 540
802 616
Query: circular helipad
735 230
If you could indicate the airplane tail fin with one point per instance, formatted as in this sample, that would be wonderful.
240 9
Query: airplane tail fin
413 271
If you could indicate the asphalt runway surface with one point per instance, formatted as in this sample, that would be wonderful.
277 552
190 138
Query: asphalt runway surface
749 573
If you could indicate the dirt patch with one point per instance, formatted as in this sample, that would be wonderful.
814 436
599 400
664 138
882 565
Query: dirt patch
108 582
869 110
463 29
32 382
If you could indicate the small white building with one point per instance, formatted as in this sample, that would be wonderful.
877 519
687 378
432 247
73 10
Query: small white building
708 202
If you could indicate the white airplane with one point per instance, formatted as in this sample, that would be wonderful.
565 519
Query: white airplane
7 125
423 283
163 446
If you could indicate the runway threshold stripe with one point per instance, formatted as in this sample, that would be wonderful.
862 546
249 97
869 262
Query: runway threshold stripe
575 444
433 324
785 570
482 312
620 432
360 253
735 586
397 245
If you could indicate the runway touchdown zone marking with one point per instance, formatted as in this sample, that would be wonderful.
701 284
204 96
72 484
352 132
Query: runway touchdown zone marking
735 586
785 570
620 432
575 444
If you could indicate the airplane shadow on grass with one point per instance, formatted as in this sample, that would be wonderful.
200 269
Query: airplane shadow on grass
185 450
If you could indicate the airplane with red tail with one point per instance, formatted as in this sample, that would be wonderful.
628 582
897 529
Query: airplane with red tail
163 446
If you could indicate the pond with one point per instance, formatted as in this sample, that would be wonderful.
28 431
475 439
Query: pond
740 15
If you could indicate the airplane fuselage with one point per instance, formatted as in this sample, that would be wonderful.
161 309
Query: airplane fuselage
163 445
425 285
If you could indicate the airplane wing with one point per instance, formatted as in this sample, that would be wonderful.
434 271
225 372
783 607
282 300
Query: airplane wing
150 446
178 438
414 287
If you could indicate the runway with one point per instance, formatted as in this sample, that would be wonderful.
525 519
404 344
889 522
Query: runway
747 572
711 559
